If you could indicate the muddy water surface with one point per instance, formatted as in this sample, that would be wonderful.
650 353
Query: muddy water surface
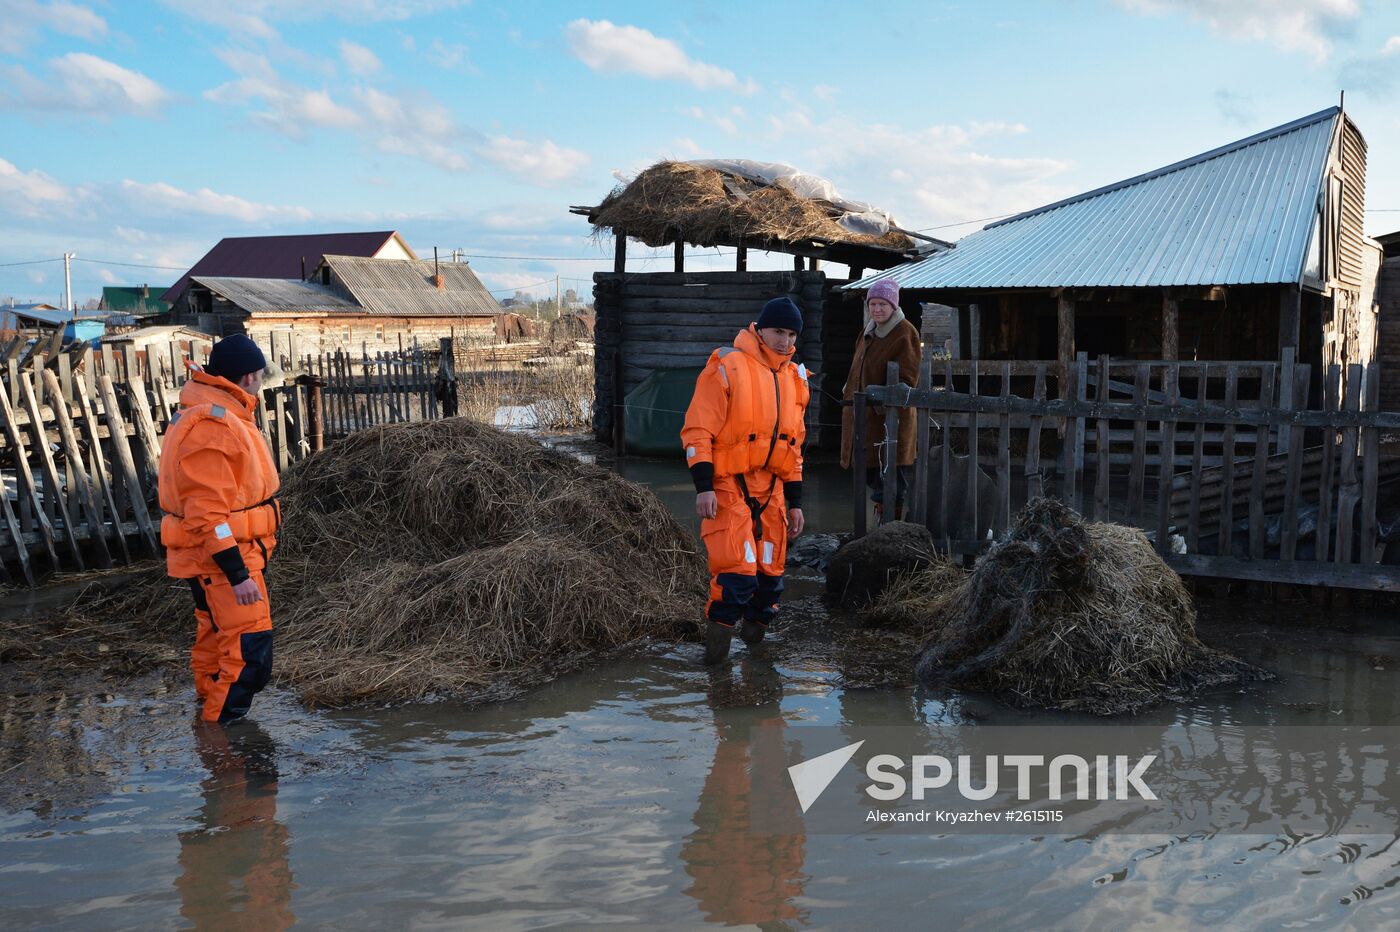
619 795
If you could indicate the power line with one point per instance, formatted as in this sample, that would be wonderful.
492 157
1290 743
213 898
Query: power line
547 281
136 265
963 223
6 265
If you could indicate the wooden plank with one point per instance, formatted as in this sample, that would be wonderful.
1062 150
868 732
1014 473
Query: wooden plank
858 464
283 440
1064 332
100 472
1035 484
1349 492
135 496
1370 465
300 445
1331 400
1076 447
146 434
1101 487
889 451
946 456
1288 538
1227 482
1170 326
1258 479
919 510
1376 578
1171 378
969 503
1137 472
1002 518
1193 523
28 490
1285 394
53 485
17 535
73 454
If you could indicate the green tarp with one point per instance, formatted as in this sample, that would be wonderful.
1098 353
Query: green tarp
656 411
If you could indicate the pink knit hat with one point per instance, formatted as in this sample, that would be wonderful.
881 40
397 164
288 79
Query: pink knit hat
885 289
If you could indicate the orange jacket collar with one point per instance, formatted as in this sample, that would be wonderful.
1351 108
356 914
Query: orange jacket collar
751 343
203 388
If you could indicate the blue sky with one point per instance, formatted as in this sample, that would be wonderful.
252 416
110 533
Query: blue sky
144 132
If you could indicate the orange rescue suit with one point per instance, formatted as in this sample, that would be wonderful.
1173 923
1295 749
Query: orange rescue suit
747 420
218 487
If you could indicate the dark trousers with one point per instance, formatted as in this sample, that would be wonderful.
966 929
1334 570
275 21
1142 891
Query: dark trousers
876 483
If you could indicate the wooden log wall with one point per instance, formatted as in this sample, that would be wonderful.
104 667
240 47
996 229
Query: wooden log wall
1388 339
667 320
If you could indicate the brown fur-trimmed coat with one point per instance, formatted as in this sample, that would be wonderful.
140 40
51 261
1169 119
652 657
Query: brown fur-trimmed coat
873 353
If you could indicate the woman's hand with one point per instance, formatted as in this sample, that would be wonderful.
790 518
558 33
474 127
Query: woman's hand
795 523
706 505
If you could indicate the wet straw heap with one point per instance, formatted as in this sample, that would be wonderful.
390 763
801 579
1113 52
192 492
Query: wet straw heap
709 207
1062 613
446 558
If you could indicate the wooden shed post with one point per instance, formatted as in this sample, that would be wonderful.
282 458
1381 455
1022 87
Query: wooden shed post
741 259
680 256
1290 312
1171 343
1065 341
797 263
619 252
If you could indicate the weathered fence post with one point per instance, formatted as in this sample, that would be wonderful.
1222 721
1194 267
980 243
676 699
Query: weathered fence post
858 464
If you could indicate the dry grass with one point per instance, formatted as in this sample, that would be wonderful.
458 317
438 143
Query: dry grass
1064 614
673 196
445 557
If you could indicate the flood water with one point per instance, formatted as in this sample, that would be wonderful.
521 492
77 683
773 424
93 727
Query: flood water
620 795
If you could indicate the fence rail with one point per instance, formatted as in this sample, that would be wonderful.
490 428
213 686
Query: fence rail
1225 465
81 435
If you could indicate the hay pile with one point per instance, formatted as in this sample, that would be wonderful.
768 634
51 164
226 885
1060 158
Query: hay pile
673 196
448 558
1063 614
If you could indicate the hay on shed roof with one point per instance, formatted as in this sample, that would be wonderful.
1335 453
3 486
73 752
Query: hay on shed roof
709 208
1063 613
446 558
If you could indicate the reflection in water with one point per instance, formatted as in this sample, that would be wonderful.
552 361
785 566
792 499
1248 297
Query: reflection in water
739 876
234 868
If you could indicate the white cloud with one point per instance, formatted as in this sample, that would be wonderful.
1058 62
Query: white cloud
1293 25
1392 46
606 47
721 120
544 163
421 128
447 56
21 21
170 199
925 176
358 59
108 277
29 193
241 19
83 83
288 108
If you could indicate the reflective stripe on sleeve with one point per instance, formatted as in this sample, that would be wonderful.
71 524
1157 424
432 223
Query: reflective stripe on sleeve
223 531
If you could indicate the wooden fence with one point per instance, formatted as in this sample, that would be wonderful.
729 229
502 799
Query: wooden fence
81 435
1225 465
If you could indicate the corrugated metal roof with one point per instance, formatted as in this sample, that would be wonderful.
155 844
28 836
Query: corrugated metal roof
401 287
274 295
277 256
1238 215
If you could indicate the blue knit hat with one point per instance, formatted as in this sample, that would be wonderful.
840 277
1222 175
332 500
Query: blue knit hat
235 356
781 313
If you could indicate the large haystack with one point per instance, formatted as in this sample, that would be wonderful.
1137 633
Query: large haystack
1063 613
449 558
709 208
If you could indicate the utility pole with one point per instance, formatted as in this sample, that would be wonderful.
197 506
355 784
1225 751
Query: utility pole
558 301
68 258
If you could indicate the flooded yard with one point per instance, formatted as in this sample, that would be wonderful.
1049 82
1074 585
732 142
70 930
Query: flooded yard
621 794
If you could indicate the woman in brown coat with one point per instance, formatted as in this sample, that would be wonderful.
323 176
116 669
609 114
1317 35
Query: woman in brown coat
887 338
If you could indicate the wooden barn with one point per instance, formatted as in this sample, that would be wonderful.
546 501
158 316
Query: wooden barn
1239 253
653 323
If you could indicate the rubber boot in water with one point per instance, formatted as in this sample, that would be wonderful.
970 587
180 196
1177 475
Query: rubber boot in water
717 643
752 633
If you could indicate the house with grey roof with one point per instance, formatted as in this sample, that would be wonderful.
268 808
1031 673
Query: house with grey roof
1238 253
349 303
